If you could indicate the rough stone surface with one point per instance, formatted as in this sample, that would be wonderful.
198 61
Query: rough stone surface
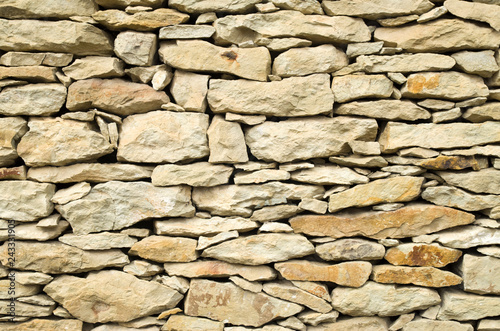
136 48
32 200
461 306
483 181
384 109
98 241
477 63
11 131
350 249
44 325
376 9
287 291
141 21
32 99
405 62
487 112
356 323
190 90
186 32
424 324
166 249
32 231
205 6
479 273
195 174
352 87
226 142
329 175
421 276
94 67
182 322
194 227
475 11
422 255
464 237
451 196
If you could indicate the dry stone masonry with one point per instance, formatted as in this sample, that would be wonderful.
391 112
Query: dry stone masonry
271 165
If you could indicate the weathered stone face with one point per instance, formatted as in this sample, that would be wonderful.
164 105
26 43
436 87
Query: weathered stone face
479 273
141 21
422 255
376 9
461 306
165 249
32 200
11 131
32 99
421 276
384 109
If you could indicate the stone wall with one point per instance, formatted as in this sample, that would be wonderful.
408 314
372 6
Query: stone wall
202 165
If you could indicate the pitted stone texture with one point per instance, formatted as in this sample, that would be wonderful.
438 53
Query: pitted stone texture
316 28
427 325
56 141
166 249
312 137
198 55
383 300
352 87
482 181
194 174
405 62
163 136
421 276
99 297
483 12
194 227
397 189
376 9
226 142
261 249
205 6
298 96
58 258
32 99
116 96
240 200
384 109
461 306
94 67
116 205
415 219
64 36
11 131
439 136
442 35
136 48
287 291
190 90
422 255
223 301
480 274
353 274
350 249
44 325
451 196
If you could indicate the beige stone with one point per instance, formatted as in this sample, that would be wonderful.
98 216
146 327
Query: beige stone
318 289
477 63
32 99
31 231
475 11
122 4
479 274
245 119
425 324
98 241
422 255
65 36
90 172
261 249
488 324
142 268
223 302
15 59
13 173
376 9
71 193
116 96
490 251
11 131
190 90
94 67
37 74
443 35
204 242
354 323
398 189
194 227
198 55
142 21
182 322
205 6
316 28
99 296
58 258
186 32
44 325
382 300
405 62
195 174
305 7
329 175
447 85
274 213
19 291
352 87
440 136
163 136
487 112
415 219
297 96
451 196
32 200
397 21
166 249
350 249
312 137
136 48
461 306
384 109
421 276
60 9
313 205
287 291
464 237
483 181
255 287
353 274
226 142
282 44
260 176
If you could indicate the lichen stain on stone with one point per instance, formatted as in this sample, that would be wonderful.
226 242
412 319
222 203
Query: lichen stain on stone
443 162
418 83
229 55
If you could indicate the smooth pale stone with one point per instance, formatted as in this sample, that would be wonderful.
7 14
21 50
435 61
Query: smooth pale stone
98 241
261 249
44 324
317 28
483 181
350 249
313 137
206 6
401 321
461 306
190 90
352 87
20 289
305 7
397 189
313 205
71 193
144 74
260 176
177 283
240 200
475 11
356 323
195 174
163 136
388 206
275 213
194 227
435 104
32 278
287 291
32 200
31 231
198 55
282 44
246 285
141 21
32 99
487 223
58 258
360 161
166 249
226 142
368 48
404 170
442 35
289 97
432 14
26 309
419 152
122 4
90 172
422 255
182 322
253 166
136 232
49 222
446 116
161 79
99 297
142 268
405 62
94 67
314 318
136 48
40 74
13 173
376 9
365 147
382 300
490 251
488 325
318 289
116 96
397 21
11 131
454 197
14 59
441 136
425 324
204 242
39 300
202 300
397 77
472 102
415 219
329 175
447 85
420 276
117 205
352 273
61 9
384 109
477 63
57 141
293 323
480 274
463 237
64 36
309 60
487 112
296 166
186 32
246 119
490 150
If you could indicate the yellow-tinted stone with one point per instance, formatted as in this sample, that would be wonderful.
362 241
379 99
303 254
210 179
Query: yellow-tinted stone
422 255
166 249
422 276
